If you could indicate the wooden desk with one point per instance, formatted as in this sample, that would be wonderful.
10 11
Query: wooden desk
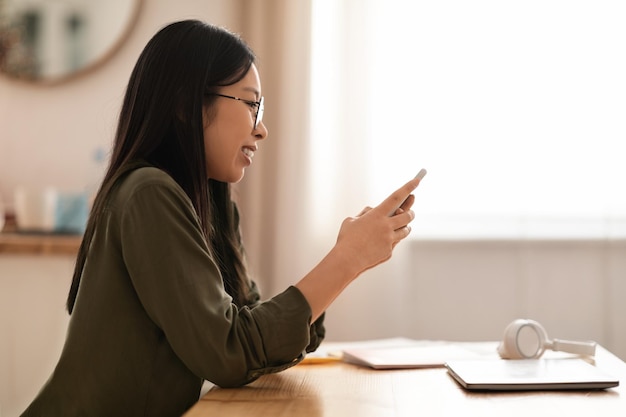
344 390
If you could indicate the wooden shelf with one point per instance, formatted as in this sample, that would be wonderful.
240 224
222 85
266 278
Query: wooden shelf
39 244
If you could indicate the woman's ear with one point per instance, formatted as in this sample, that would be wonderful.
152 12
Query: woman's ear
208 114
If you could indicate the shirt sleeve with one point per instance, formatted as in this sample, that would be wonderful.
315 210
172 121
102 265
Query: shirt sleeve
317 330
181 289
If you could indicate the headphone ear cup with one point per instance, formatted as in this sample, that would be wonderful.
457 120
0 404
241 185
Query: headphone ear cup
503 351
512 347
507 349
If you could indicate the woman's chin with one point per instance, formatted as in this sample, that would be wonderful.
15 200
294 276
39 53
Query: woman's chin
236 178
232 178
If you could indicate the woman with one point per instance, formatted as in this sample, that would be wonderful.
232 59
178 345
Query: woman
160 298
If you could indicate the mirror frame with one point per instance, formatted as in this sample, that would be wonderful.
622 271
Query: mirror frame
96 63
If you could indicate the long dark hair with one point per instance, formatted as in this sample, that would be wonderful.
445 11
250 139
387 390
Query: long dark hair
161 124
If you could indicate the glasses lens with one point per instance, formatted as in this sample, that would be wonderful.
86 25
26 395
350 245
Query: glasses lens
259 114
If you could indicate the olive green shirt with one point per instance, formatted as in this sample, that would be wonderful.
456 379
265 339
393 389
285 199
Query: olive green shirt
152 319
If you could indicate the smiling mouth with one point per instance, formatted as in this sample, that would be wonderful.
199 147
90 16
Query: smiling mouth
248 152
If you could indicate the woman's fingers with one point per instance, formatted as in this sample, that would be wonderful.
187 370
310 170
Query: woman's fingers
401 218
398 198
365 210
402 232
406 205
374 232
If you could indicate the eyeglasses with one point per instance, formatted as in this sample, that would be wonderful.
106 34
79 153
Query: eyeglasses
258 105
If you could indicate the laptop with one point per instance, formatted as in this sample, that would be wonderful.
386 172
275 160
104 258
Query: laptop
529 374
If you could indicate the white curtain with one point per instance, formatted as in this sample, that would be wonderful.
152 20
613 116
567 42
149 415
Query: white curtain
273 196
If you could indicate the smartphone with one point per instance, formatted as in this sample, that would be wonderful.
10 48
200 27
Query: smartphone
421 174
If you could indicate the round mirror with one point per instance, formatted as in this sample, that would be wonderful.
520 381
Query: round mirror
49 41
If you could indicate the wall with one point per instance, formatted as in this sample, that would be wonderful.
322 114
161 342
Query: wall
33 322
470 290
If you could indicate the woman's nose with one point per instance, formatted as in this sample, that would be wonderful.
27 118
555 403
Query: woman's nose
261 131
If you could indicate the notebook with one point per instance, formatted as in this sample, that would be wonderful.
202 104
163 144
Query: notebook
431 355
529 374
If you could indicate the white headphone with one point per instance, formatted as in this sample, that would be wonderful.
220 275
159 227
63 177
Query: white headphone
527 339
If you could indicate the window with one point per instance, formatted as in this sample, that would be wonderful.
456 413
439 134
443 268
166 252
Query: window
517 110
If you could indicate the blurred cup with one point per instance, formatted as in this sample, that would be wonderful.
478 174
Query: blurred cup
71 212
35 209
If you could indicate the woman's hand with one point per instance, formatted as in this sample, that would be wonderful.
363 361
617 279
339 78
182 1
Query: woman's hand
363 242
369 238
